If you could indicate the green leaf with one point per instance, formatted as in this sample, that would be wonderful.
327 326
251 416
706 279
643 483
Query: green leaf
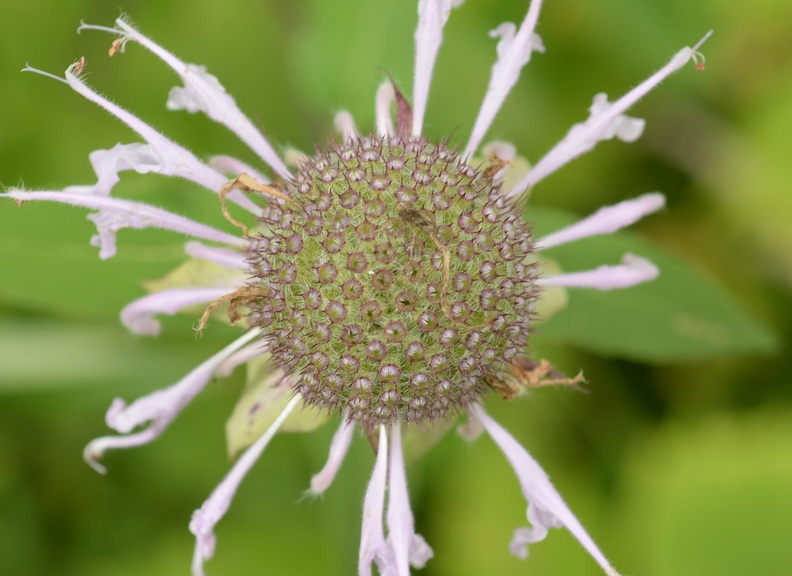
418 440
262 401
680 316
720 485
43 354
195 273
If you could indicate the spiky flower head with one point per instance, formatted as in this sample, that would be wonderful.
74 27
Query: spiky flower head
398 280
388 279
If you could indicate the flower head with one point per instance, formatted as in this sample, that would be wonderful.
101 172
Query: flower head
388 279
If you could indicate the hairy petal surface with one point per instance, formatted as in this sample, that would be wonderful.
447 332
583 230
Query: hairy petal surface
407 546
203 92
234 166
338 450
372 538
204 519
514 52
549 509
384 100
606 121
113 215
633 270
606 220
138 316
345 125
108 163
432 17
174 159
229 258
159 408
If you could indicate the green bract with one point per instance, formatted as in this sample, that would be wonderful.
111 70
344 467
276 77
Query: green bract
397 281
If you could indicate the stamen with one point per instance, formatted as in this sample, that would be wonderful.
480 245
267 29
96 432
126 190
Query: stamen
212 511
29 68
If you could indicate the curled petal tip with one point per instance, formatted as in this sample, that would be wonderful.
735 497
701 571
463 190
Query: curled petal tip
92 455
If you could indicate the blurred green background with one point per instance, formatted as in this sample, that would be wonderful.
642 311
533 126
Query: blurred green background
681 466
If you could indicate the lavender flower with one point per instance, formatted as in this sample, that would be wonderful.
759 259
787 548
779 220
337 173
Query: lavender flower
389 279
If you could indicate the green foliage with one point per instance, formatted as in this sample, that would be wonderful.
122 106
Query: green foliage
260 404
680 316
675 470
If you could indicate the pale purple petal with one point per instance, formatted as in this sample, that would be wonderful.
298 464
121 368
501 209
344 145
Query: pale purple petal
172 159
432 17
633 270
234 166
514 52
420 551
203 92
345 125
583 137
214 508
159 408
551 510
407 546
108 163
113 214
400 518
338 450
372 539
541 522
625 128
229 258
244 356
606 220
470 430
385 97
138 316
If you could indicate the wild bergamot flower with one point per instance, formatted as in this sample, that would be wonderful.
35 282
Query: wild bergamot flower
389 279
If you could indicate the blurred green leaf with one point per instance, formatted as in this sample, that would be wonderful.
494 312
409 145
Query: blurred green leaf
680 316
262 401
46 354
195 273
711 497
49 265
